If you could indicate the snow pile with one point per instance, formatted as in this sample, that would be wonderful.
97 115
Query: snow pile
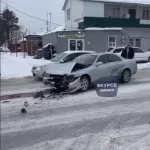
12 66
142 66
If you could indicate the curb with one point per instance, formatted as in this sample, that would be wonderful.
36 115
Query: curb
21 95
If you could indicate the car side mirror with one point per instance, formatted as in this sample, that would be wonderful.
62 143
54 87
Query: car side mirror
98 63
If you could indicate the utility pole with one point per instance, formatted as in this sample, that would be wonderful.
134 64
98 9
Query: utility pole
0 8
47 22
50 20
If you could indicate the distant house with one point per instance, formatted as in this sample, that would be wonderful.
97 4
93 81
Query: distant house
31 43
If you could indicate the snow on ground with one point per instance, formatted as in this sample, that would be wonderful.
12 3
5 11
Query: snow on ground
132 138
144 65
47 112
124 93
13 67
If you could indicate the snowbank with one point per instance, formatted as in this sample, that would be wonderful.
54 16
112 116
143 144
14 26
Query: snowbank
142 66
12 66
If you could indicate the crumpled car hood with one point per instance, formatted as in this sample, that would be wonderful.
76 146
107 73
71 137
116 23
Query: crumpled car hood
60 68
43 64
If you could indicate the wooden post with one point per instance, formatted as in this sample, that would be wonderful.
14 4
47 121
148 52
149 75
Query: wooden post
24 46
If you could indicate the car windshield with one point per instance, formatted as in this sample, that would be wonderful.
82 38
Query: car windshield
110 49
59 57
87 60
118 50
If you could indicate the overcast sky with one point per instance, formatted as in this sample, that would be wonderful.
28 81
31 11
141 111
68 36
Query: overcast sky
37 8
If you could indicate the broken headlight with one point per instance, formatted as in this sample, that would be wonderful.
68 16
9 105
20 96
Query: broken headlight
70 78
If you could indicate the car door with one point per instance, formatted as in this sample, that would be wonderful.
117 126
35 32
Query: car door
118 51
140 55
103 69
115 64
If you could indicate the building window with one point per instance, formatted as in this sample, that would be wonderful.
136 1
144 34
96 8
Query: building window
137 42
112 41
116 12
131 41
146 15
68 14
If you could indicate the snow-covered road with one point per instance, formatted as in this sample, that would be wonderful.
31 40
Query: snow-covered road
81 122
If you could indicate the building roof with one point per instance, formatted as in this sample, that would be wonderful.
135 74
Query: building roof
147 2
60 28
103 29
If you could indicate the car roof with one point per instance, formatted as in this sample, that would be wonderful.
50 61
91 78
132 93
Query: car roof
124 47
102 53
70 52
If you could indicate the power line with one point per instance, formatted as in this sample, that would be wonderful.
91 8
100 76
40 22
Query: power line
36 17
30 15
24 12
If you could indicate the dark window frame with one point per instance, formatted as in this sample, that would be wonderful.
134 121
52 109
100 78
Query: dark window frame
107 61
138 49
115 56
117 49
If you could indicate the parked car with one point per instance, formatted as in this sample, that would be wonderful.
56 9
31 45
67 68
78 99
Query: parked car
63 57
140 54
87 69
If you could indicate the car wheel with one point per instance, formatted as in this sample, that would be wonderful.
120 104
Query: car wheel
85 83
126 76
148 59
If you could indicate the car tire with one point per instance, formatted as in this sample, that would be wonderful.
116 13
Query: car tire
126 76
85 83
148 59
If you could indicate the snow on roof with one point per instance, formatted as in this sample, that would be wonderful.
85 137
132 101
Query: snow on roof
41 33
102 29
60 28
22 40
47 45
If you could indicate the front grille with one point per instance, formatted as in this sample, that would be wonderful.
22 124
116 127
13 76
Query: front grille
59 81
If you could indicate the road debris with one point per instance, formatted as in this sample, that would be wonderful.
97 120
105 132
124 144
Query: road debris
23 111
26 104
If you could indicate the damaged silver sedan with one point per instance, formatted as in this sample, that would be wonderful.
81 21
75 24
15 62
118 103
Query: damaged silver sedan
85 70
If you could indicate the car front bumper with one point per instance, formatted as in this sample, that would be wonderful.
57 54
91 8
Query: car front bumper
71 87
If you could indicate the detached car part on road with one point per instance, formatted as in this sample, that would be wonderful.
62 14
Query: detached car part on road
85 70
64 57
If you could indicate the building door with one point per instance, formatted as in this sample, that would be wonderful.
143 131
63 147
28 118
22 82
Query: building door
76 44
132 13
